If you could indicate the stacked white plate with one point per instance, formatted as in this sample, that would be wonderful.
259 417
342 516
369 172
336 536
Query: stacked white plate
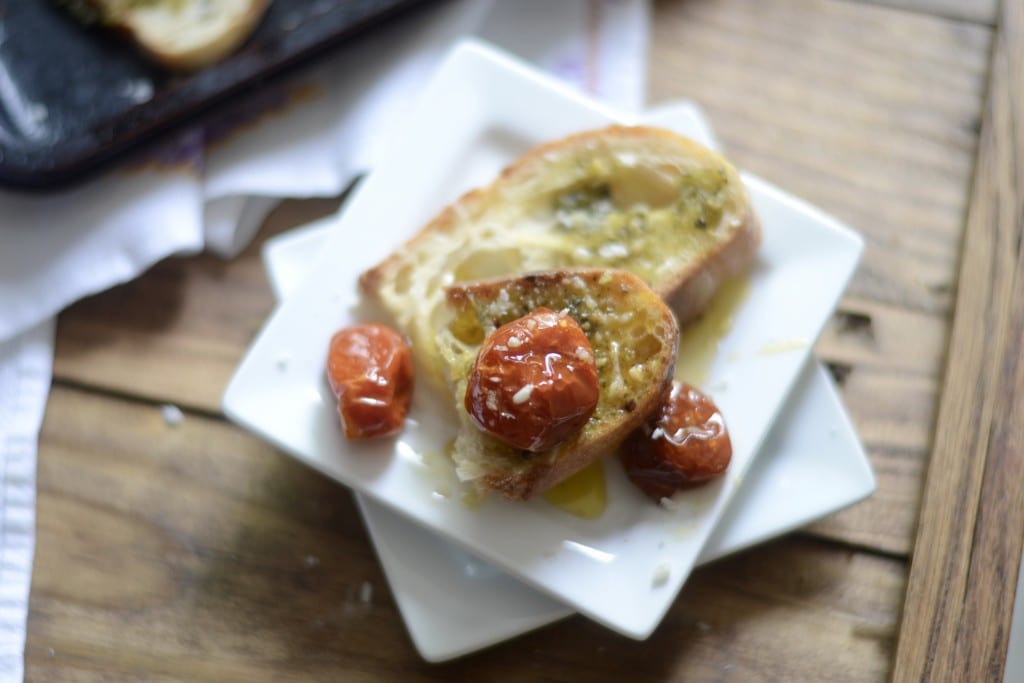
465 576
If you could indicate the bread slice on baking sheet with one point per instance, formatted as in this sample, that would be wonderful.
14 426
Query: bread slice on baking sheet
183 34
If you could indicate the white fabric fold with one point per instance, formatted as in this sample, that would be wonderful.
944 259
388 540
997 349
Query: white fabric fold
25 366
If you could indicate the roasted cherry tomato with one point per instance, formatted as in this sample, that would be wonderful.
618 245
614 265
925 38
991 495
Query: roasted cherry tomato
534 383
369 368
682 444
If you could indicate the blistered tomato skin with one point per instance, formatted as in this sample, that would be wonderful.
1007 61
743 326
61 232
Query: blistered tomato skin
683 444
534 383
369 368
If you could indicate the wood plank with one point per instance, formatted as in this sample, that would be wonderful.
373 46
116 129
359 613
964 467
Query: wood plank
881 337
980 11
875 128
886 360
968 550
244 565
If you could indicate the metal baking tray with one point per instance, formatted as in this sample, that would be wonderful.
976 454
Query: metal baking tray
74 97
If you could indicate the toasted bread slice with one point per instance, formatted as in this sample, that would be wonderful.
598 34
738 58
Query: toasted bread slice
640 199
184 34
634 337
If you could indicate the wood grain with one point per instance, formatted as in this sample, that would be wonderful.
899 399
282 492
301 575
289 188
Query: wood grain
968 547
980 11
871 126
886 361
196 552
851 111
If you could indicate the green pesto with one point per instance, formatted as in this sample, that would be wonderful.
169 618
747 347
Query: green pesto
646 233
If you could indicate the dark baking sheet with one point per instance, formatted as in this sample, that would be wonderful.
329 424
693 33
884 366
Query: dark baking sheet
74 97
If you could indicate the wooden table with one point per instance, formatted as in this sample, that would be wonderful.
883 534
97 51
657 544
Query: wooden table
180 552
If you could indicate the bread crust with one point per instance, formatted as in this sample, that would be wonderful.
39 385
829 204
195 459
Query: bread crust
618 290
168 47
692 289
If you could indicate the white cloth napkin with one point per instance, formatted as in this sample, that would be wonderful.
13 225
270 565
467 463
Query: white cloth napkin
211 188
25 364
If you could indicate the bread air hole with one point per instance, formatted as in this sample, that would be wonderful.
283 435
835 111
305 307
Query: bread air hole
403 279
480 265
643 349
466 328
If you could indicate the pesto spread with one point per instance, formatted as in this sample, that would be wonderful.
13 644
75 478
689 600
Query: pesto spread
609 230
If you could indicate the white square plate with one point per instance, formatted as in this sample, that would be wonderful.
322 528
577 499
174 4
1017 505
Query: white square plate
480 111
811 465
